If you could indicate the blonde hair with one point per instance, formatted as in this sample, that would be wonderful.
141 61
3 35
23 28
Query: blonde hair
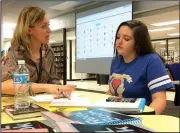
28 18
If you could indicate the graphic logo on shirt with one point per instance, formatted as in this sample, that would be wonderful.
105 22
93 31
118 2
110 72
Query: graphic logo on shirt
116 83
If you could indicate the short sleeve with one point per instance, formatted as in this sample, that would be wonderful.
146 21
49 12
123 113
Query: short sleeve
157 77
8 66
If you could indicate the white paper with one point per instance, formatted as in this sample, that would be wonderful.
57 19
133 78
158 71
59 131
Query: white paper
43 98
49 97
73 102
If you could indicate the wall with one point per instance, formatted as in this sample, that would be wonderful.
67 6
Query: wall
74 74
5 45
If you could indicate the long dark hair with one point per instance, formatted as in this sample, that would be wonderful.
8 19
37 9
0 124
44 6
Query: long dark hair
143 43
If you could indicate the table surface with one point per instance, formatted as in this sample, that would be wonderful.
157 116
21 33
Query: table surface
161 123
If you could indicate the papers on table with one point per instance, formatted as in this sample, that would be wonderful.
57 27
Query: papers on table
49 97
73 102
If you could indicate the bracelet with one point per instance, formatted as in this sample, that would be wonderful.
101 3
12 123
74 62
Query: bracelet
31 93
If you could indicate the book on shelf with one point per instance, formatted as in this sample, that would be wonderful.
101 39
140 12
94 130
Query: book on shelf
74 127
30 126
97 117
132 105
33 111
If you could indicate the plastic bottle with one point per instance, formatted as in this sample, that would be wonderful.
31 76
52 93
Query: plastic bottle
21 86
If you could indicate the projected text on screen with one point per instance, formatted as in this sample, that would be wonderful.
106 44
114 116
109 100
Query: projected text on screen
95 33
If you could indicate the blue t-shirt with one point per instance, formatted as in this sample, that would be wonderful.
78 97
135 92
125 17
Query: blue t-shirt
148 75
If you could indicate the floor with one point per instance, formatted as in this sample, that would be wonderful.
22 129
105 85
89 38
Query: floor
92 85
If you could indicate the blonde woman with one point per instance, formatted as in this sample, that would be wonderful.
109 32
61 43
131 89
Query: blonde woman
30 42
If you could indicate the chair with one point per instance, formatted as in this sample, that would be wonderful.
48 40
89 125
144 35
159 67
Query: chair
175 72
102 79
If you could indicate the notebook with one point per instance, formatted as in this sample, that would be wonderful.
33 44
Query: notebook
126 105
73 127
33 111
132 105
97 117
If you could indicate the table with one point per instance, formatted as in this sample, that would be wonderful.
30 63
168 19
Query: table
161 123
156 122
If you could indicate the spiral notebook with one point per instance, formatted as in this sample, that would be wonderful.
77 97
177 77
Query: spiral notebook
73 127
97 117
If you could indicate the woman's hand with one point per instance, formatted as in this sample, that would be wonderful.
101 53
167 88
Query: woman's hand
108 92
66 90
58 89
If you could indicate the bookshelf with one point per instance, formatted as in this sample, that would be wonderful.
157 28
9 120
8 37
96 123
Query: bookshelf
58 49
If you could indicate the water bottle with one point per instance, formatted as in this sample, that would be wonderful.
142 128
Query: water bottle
21 86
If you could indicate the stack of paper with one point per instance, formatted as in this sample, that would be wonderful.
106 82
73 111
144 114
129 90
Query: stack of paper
49 97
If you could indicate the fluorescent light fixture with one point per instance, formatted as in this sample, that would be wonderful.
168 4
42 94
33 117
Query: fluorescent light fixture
173 34
161 42
71 38
162 29
157 42
172 48
56 24
171 42
166 23
51 41
168 42
65 5
9 25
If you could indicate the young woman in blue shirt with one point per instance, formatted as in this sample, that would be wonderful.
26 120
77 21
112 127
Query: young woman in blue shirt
144 74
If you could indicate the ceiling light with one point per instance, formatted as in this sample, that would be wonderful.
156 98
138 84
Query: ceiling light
161 42
162 29
173 34
158 42
168 42
56 24
166 23
71 38
52 41
65 5
171 42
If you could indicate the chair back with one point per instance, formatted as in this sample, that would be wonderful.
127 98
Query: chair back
174 70
175 73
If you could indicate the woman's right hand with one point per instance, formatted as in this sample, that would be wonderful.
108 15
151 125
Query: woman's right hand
58 89
66 89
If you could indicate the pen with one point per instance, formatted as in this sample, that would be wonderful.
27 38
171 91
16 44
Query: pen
62 94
